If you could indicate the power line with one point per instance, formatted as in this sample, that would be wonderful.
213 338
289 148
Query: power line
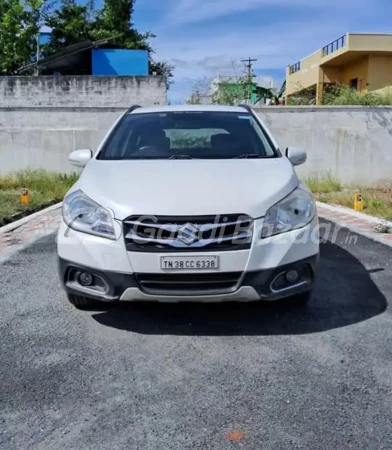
249 65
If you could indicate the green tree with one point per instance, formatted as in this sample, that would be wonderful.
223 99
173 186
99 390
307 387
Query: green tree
162 68
115 20
74 22
231 91
226 92
201 88
19 27
71 23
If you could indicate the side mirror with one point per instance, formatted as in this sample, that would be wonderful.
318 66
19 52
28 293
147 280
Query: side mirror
297 156
80 158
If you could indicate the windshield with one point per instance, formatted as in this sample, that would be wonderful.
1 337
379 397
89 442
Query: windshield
187 135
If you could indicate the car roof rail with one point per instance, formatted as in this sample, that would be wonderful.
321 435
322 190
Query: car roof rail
247 107
133 107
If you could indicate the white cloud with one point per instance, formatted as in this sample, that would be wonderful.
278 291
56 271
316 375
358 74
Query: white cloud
207 48
275 47
45 29
186 11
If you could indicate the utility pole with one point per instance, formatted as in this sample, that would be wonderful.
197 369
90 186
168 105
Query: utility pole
37 57
249 66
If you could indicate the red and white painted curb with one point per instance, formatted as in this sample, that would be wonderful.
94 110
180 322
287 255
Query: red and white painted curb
355 221
22 232
18 234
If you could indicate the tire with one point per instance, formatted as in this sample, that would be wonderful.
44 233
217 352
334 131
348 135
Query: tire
83 303
299 300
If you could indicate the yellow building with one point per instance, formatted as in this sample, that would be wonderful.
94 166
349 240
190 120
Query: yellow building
362 61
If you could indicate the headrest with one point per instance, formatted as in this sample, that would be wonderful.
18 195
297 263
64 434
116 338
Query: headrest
155 136
222 139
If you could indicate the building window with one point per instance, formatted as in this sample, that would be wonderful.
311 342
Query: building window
354 84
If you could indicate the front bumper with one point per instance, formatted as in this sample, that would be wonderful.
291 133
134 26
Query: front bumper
252 286
244 275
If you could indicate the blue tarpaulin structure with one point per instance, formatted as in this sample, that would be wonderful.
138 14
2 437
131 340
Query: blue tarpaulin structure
44 38
88 58
121 62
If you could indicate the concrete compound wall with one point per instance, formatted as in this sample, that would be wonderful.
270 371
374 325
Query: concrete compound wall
81 91
352 143
43 137
44 118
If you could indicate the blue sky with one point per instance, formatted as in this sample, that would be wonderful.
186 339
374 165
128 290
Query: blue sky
204 37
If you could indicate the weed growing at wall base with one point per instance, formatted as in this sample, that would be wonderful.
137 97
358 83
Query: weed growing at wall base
323 184
45 189
327 189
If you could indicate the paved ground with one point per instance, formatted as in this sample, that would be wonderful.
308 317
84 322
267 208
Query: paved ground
199 377
24 233
356 221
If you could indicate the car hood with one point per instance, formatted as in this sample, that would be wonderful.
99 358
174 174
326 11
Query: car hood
188 187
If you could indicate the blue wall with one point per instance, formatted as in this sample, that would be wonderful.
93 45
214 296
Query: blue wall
44 37
120 62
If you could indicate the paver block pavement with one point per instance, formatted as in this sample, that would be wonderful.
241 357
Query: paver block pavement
34 229
354 221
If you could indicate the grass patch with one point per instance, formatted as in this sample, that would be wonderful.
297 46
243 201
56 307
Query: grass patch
377 202
340 94
45 189
323 185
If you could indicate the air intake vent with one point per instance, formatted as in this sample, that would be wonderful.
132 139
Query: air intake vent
189 284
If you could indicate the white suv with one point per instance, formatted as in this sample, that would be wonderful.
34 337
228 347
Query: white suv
188 203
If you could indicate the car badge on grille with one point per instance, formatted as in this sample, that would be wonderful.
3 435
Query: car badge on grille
188 234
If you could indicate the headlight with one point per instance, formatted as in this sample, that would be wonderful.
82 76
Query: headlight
294 211
82 214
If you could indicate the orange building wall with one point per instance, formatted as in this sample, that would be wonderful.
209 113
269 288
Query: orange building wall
380 72
332 74
357 69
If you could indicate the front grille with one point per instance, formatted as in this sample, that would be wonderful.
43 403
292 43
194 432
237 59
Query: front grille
182 234
192 284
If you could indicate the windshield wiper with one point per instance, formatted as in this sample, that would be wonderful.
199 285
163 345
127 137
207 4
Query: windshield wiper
180 157
142 158
249 155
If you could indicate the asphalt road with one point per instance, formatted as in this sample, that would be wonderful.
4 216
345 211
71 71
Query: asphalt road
186 376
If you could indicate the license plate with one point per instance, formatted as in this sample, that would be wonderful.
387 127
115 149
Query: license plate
190 262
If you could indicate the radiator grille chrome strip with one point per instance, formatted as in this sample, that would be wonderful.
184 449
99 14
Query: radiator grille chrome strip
188 233
172 228
197 244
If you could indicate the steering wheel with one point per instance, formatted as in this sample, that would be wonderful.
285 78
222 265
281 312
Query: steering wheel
147 148
152 151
